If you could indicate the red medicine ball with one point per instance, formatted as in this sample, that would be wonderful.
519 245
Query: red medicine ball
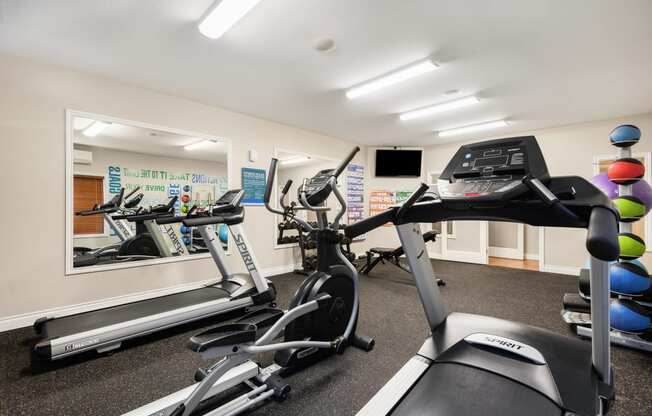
626 171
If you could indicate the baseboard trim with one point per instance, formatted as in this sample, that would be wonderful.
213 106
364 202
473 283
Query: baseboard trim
27 319
464 257
570 270
531 256
504 252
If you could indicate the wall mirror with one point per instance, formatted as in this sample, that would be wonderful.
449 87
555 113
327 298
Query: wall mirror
126 180
296 166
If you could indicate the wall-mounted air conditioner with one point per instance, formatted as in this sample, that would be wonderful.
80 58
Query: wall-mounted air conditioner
82 157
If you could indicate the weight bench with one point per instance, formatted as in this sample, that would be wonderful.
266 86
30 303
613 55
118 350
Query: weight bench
377 255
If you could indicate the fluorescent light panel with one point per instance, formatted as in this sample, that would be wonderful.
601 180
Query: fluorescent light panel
295 160
438 108
400 75
96 128
473 128
222 15
202 143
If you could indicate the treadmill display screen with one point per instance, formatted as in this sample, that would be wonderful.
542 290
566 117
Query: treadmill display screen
227 197
491 161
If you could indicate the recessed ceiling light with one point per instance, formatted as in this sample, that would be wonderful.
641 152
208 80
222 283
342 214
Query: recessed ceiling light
222 15
96 128
473 128
438 108
400 75
201 143
324 44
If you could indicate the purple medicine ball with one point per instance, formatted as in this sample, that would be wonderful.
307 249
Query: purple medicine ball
640 189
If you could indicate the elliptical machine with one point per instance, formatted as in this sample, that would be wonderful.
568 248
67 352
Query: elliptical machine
334 274
320 322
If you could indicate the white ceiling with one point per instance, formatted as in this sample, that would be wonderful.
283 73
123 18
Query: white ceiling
537 63
148 141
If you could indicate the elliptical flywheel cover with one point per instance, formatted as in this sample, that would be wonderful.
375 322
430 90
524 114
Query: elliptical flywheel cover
631 246
626 171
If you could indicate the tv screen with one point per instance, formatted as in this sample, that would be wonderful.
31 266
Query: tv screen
393 162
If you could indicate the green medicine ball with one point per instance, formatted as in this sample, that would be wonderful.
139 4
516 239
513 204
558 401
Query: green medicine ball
630 208
631 246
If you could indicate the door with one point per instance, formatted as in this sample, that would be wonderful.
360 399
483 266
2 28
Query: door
87 191
506 240
464 241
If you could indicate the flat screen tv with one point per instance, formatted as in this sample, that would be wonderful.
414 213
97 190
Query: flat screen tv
398 163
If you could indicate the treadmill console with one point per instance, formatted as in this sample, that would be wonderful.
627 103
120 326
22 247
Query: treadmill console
492 171
317 189
229 201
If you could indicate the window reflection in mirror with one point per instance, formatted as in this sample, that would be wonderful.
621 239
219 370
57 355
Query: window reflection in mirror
128 182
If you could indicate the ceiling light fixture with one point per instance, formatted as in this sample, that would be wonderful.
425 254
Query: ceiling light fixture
295 160
473 128
438 108
400 75
201 143
222 15
96 128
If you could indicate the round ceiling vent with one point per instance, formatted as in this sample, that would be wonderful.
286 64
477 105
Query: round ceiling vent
324 44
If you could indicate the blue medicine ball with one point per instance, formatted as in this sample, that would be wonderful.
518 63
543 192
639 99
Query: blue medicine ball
639 263
628 316
223 233
625 135
628 279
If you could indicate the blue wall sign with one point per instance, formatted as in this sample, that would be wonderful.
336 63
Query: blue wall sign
253 183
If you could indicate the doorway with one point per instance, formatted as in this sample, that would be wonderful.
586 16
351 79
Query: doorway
507 245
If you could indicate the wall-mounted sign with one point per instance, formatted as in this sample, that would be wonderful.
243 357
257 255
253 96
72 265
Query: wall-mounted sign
253 183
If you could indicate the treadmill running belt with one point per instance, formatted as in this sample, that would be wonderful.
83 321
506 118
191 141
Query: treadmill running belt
73 324
447 389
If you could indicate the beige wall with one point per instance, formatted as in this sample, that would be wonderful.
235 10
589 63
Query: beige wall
569 150
32 133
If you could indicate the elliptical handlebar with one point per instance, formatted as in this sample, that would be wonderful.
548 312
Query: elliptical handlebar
416 195
268 194
344 163
271 175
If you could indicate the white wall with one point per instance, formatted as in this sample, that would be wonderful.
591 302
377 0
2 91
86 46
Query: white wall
32 132
569 150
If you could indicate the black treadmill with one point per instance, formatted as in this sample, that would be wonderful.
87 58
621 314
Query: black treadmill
105 329
474 365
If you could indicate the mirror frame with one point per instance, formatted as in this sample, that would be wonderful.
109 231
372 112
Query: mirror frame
275 203
69 172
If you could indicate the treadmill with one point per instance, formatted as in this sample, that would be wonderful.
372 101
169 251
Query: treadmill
105 329
475 365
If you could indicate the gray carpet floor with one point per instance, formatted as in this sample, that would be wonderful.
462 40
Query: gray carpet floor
158 365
